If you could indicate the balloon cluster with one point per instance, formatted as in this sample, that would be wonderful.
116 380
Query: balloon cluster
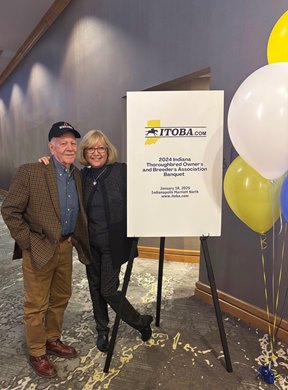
258 128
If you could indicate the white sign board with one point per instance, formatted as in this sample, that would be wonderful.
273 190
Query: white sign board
174 158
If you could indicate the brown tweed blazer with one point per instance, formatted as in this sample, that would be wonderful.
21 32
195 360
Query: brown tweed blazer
32 213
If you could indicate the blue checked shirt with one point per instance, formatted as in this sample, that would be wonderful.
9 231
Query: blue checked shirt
68 197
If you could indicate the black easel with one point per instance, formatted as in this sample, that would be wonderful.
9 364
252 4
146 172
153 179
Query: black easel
159 293
213 291
160 277
211 279
120 309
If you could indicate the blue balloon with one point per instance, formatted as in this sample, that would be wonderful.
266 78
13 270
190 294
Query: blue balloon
284 199
266 374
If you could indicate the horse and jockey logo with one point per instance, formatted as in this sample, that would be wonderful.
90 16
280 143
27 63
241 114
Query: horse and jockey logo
152 131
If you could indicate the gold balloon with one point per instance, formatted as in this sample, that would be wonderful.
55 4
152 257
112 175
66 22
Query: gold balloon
277 48
254 199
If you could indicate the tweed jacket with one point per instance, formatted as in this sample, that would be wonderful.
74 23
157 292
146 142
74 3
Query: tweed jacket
31 211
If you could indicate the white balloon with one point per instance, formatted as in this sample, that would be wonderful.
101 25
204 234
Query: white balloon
258 120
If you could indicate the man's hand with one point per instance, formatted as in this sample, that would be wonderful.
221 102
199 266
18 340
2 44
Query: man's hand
44 160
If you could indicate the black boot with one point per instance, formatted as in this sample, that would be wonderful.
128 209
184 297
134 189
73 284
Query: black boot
146 332
102 342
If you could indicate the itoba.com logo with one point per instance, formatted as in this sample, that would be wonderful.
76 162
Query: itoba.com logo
154 131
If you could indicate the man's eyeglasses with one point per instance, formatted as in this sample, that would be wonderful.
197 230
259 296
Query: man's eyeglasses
100 149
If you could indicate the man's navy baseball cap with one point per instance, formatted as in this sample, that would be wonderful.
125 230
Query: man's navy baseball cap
59 128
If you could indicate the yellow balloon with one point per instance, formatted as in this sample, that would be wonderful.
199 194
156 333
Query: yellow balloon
277 48
254 199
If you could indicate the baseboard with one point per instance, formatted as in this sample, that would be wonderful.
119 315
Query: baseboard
250 314
170 254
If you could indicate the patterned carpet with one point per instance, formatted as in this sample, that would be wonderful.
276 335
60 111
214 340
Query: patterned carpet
184 352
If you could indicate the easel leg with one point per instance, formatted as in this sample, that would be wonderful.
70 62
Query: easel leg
120 309
160 278
216 303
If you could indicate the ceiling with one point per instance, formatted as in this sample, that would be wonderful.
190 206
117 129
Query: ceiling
18 18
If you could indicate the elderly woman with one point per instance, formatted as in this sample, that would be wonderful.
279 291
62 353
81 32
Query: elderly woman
104 187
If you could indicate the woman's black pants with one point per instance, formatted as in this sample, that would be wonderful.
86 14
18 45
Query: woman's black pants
103 282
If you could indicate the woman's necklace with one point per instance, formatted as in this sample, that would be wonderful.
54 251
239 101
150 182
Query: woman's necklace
95 179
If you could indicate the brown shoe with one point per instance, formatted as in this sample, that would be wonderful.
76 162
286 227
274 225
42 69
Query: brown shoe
42 366
59 349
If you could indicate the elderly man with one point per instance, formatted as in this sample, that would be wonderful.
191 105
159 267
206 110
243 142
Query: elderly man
44 213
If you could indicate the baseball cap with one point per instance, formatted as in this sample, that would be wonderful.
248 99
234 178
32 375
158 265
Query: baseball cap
59 128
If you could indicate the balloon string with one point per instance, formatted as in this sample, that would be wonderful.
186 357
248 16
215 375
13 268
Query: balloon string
273 264
275 301
273 274
273 212
281 224
279 283
263 245
285 297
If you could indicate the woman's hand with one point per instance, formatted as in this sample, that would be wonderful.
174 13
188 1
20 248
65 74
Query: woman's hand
44 160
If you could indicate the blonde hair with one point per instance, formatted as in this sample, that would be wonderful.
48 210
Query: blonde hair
92 138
